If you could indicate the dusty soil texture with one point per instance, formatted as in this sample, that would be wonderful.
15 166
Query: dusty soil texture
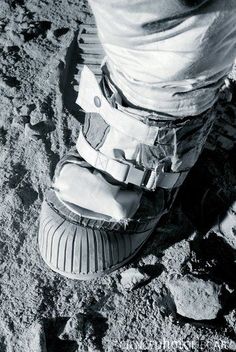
149 308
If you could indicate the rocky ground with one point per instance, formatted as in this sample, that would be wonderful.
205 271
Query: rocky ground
179 294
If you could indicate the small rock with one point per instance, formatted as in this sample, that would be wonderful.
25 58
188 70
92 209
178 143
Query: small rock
80 328
232 346
175 256
231 319
227 228
32 132
36 117
24 110
150 259
195 298
132 277
35 339
74 329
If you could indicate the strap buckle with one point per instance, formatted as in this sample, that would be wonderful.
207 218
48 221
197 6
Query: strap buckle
141 177
135 176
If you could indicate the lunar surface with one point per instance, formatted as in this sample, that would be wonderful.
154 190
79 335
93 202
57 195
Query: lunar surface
179 292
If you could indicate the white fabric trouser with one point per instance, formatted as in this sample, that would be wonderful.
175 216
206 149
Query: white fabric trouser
166 56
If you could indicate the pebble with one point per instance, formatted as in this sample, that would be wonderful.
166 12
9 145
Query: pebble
32 132
150 259
231 319
227 228
74 330
80 328
195 298
176 256
132 277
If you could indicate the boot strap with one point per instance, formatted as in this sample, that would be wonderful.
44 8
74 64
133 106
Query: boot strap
126 172
91 99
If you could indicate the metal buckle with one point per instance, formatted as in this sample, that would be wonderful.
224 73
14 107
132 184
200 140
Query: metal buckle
135 176
145 178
